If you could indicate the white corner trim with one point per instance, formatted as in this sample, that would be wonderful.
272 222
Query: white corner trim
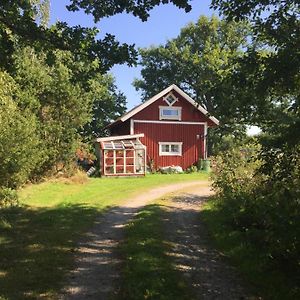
169 122
131 126
205 141
161 94
161 153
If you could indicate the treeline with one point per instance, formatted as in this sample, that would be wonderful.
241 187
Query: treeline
54 99
49 108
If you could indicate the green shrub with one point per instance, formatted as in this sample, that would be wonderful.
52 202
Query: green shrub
264 206
8 197
191 169
19 140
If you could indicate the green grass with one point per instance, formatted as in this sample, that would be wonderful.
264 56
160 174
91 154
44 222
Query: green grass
148 272
98 192
37 239
250 259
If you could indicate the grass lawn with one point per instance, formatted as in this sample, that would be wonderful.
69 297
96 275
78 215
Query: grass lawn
250 259
144 252
37 239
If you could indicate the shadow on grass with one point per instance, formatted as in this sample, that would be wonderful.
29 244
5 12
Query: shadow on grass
168 255
36 248
148 272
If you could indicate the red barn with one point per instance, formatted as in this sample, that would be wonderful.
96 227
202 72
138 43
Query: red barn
173 125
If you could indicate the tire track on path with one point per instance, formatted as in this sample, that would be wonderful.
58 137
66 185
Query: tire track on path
204 268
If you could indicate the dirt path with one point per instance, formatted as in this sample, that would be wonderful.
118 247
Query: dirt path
204 268
97 264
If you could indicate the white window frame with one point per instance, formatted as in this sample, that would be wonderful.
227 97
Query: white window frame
177 108
175 99
179 153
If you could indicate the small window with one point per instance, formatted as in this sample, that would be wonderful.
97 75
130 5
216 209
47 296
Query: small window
170 148
170 99
169 113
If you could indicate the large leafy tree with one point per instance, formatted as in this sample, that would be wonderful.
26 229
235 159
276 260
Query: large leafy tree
19 21
61 93
273 80
107 104
20 143
200 61
276 26
63 100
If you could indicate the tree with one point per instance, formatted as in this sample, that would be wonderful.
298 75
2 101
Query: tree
108 104
19 22
274 77
200 61
70 101
20 143
273 80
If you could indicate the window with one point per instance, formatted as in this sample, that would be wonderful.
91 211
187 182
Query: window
170 148
170 99
169 113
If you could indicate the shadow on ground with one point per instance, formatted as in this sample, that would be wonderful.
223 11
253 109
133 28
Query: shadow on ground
168 246
169 254
36 248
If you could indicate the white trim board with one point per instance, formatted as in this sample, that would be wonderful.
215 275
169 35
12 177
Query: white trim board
170 122
161 94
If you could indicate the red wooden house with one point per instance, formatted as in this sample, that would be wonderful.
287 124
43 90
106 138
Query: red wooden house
171 125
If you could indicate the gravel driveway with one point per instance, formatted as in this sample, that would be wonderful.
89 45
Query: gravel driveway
97 263
204 268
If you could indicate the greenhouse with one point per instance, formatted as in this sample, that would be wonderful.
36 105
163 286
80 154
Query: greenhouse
122 155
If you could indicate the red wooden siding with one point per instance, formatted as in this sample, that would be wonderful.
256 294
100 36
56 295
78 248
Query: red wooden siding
170 131
192 148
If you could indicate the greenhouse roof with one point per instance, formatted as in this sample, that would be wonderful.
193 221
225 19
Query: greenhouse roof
121 142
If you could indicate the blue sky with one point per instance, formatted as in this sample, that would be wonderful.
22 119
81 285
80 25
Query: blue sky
164 23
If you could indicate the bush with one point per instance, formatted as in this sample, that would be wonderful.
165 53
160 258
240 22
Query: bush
19 140
8 197
264 206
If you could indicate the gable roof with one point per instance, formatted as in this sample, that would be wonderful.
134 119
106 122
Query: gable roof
174 87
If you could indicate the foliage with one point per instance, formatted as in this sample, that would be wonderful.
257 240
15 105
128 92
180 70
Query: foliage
19 22
60 105
273 77
68 99
200 61
8 197
276 24
63 96
108 104
263 206
197 60
234 179
137 8
20 144
191 169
